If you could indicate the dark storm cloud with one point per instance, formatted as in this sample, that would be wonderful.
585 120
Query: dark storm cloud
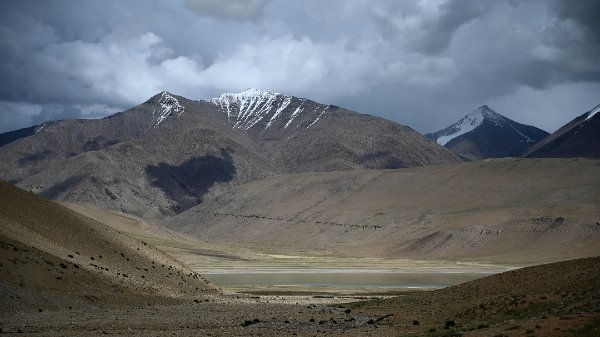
424 63
453 14
583 12
580 42
228 9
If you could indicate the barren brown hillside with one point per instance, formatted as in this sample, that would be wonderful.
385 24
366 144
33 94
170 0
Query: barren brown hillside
513 210
169 153
52 257
558 299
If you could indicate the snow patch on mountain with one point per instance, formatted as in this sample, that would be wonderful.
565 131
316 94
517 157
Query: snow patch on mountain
464 125
311 124
282 107
527 139
249 107
246 109
169 106
469 123
40 128
593 112
294 114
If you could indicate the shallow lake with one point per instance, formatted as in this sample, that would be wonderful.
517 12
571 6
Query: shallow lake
345 280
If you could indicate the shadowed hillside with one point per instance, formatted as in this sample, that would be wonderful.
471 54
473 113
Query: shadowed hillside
514 210
578 138
52 257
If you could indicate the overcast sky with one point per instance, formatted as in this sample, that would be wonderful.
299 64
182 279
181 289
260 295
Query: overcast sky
422 63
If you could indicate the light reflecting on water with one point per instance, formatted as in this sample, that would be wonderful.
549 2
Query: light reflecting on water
345 280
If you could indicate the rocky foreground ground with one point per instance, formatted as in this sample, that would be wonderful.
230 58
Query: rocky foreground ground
560 299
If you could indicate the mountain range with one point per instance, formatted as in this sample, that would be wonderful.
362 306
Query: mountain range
578 138
485 133
169 153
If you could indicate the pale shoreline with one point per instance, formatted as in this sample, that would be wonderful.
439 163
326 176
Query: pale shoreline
338 281
304 270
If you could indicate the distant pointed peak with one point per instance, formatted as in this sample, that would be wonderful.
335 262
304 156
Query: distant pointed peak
163 95
469 123
485 109
487 113
169 106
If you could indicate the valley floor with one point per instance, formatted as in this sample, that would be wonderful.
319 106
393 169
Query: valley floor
225 317
227 260
561 299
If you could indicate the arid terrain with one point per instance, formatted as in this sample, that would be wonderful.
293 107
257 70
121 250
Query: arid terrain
83 271
300 168
55 258
559 299
509 211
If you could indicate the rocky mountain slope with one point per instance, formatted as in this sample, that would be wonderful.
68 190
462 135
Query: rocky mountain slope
578 138
512 209
55 258
300 135
167 154
557 299
11 136
485 133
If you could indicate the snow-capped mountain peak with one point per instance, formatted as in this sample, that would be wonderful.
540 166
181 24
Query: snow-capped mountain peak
468 123
169 106
248 94
248 108
489 114
484 133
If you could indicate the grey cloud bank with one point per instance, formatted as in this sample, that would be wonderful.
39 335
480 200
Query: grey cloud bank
420 63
